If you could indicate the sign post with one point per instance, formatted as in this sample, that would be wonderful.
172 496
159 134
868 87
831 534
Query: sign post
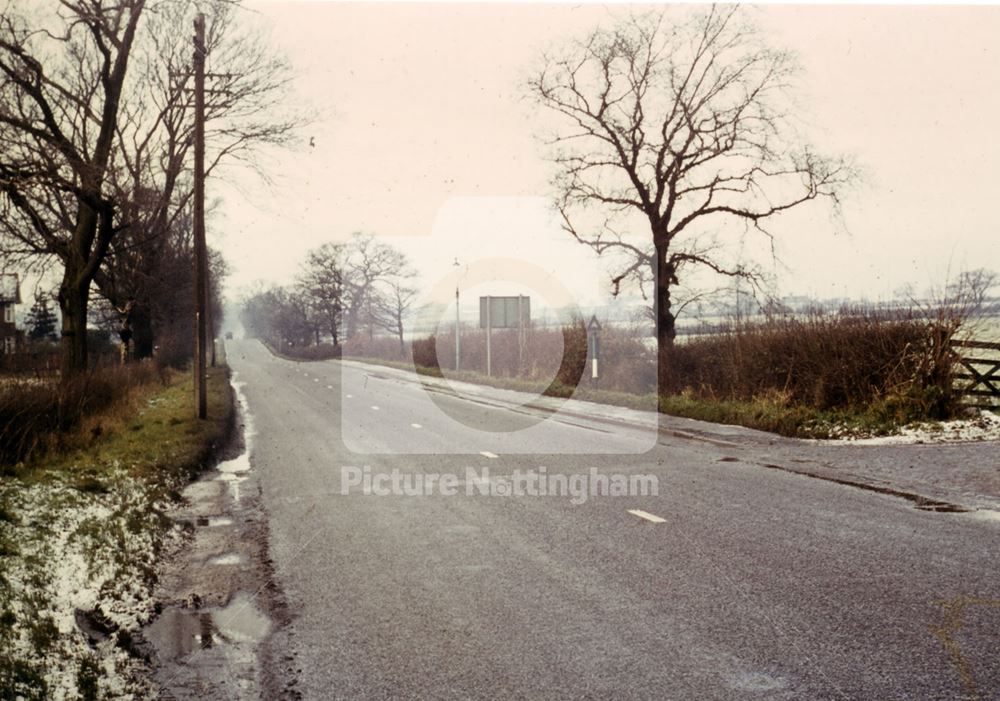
503 313
489 337
593 347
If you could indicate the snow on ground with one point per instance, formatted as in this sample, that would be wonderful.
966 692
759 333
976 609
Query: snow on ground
73 552
984 426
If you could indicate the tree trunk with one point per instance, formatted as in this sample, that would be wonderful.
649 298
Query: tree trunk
666 329
73 301
143 334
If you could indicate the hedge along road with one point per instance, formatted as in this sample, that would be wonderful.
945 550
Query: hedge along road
734 581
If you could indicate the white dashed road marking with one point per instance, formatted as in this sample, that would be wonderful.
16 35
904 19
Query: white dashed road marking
416 425
488 454
646 515
374 408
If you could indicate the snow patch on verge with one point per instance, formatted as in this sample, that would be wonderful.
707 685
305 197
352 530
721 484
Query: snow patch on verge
77 554
984 426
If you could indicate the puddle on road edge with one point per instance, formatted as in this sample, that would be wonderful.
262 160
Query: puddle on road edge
227 559
234 471
179 631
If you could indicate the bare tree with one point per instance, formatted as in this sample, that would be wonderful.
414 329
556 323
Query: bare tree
969 296
247 107
323 276
368 261
62 71
674 128
278 315
393 302
93 164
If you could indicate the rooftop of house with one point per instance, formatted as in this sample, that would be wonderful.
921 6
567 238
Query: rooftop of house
10 288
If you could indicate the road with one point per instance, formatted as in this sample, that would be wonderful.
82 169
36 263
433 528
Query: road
757 583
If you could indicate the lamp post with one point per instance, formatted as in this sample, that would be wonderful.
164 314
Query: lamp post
458 327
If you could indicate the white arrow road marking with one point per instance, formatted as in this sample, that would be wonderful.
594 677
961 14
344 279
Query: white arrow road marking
646 515
488 454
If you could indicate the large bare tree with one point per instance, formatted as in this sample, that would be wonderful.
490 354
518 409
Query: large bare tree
676 126
63 67
368 262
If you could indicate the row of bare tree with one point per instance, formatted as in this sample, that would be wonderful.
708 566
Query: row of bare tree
345 289
96 128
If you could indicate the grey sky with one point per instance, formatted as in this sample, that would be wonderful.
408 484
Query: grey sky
423 135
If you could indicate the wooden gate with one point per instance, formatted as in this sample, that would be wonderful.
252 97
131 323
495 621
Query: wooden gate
979 375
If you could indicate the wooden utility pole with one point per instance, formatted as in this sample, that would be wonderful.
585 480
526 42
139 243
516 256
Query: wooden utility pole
200 254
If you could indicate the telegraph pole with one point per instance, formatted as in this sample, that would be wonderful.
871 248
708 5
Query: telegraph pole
200 262
458 324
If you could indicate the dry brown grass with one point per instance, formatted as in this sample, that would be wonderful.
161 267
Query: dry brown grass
854 360
39 416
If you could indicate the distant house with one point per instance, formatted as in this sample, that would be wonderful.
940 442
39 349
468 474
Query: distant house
10 297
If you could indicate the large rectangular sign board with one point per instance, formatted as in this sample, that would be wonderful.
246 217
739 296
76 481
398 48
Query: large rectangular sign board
502 312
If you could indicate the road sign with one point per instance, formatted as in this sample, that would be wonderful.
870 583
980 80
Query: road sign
593 346
504 312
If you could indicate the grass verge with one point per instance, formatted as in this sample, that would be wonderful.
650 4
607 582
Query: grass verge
80 533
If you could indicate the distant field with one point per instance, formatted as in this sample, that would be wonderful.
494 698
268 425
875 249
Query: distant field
985 330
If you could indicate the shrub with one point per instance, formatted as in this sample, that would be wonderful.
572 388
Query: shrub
386 347
36 415
857 359
321 351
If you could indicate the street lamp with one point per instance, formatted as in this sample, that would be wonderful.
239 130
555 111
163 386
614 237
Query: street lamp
458 332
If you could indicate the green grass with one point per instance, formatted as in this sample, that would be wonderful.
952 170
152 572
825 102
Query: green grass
161 440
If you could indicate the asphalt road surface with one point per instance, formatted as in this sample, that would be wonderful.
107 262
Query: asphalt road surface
734 582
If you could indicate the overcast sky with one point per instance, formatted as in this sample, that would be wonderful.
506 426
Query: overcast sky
423 135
